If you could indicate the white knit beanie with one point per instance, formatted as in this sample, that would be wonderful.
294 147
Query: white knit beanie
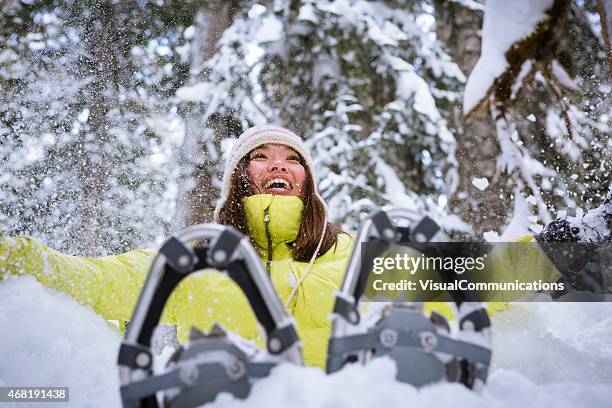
252 139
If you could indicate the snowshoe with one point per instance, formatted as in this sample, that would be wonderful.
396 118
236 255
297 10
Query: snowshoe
208 364
425 349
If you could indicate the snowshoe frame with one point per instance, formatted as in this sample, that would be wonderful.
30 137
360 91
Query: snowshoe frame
228 252
470 357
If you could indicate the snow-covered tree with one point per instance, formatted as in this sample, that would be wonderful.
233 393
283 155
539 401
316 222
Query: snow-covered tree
366 84
114 116
543 78
87 132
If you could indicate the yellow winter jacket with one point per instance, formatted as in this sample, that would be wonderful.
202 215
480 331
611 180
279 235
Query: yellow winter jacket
111 285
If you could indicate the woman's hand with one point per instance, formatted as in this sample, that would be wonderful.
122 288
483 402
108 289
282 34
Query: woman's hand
594 227
579 247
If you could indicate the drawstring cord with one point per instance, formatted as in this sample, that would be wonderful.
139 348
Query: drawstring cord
312 259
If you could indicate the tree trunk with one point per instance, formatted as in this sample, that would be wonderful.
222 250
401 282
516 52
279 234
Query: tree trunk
604 7
202 146
477 149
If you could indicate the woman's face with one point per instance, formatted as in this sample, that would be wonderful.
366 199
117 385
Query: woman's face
276 169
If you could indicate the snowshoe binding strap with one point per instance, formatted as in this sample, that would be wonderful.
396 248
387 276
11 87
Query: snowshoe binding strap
207 364
425 349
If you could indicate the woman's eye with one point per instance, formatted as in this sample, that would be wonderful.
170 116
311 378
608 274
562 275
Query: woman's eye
258 156
293 158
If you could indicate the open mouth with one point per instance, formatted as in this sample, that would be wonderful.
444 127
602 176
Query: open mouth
277 184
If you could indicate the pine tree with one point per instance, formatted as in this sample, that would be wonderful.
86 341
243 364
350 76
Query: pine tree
364 83
550 106
88 130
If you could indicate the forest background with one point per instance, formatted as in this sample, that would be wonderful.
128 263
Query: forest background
115 116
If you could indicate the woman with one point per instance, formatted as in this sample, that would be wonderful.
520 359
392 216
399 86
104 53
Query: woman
269 193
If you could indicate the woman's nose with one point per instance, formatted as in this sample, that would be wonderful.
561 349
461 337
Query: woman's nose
278 165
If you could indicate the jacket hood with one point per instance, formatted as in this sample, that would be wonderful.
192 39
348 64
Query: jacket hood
284 217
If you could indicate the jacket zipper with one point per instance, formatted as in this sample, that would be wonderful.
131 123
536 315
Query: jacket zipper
269 238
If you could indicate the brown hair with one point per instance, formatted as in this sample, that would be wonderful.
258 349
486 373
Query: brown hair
313 216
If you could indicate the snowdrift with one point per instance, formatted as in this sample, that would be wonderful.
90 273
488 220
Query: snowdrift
544 355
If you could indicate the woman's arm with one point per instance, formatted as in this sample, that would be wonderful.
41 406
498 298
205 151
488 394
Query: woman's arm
110 285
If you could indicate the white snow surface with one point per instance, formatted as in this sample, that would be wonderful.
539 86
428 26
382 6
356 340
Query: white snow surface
563 77
505 23
271 30
47 339
545 354
409 85
194 93
480 183
472 4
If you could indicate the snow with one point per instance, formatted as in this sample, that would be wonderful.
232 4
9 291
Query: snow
271 30
189 32
491 236
545 354
451 222
338 7
536 228
480 183
388 34
505 23
411 85
256 10
227 145
471 4
53 341
154 139
168 128
518 83
308 13
399 64
324 67
593 225
8 55
194 93
394 187
563 77
606 6
34 151
514 155
519 223
83 116
531 200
